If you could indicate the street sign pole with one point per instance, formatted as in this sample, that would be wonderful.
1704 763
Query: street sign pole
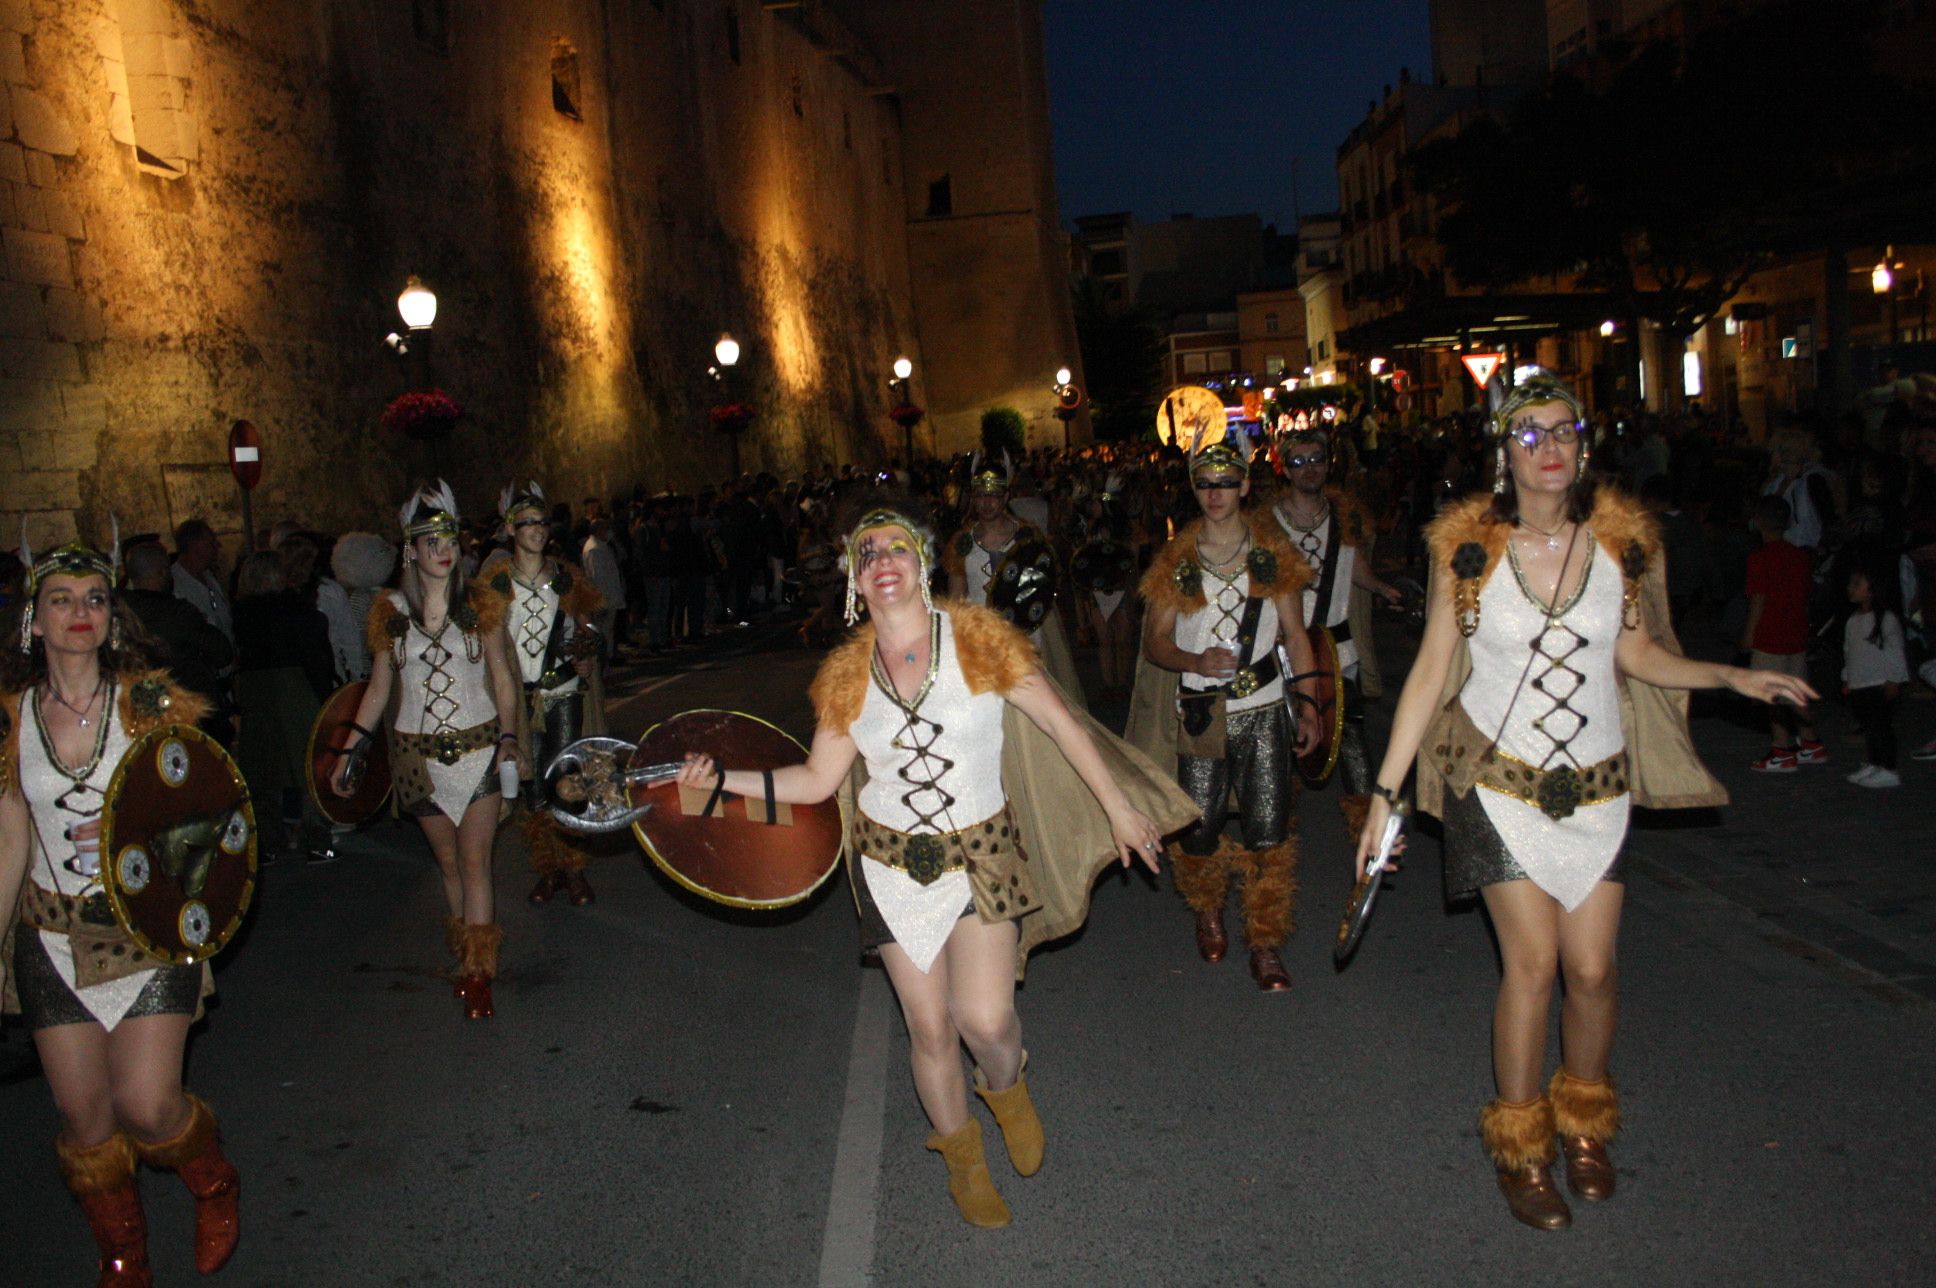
245 463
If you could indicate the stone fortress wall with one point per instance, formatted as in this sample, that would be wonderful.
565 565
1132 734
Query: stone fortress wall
208 207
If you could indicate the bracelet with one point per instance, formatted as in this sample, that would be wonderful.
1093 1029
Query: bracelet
506 737
1379 789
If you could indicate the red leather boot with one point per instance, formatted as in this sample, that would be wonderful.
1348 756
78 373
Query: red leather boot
477 964
101 1178
196 1156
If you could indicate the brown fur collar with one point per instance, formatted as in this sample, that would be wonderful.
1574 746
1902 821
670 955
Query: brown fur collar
1622 526
1174 582
576 594
147 701
994 658
1353 520
388 623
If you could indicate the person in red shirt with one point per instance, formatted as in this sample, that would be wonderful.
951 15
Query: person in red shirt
1779 578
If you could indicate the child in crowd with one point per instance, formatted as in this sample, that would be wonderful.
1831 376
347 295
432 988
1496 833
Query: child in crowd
1780 576
1875 666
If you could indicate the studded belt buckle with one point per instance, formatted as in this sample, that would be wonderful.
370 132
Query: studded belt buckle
1559 792
449 748
1244 683
924 859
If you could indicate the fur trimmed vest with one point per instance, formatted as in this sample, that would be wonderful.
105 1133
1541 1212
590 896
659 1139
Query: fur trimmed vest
1174 582
994 657
483 612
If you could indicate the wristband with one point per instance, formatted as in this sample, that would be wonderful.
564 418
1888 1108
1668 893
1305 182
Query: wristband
1379 789
506 737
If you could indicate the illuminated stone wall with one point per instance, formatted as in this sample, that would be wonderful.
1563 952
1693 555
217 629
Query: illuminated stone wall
207 210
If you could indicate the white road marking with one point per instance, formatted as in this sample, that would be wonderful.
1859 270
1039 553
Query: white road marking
847 1243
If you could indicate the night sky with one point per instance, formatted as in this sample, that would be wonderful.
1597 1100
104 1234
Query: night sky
1162 106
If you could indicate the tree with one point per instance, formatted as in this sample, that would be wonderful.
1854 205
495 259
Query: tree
1003 429
1122 361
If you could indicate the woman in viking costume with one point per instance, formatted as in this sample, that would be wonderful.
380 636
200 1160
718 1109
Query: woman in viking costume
1213 701
1544 704
975 553
109 1021
551 607
976 837
439 646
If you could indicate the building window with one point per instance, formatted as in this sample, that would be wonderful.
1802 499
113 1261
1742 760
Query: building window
564 80
941 197
1193 364
1107 263
1273 364
732 35
1270 324
430 23
1219 360
1322 346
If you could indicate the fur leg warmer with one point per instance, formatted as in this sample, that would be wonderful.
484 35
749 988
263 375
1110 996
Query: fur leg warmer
477 951
1204 879
1519 1134
545 841
1582 1108
1270 894
195 1155
96 1169
101 1178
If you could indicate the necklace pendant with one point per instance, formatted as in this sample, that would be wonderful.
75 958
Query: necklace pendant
1552 543
909 655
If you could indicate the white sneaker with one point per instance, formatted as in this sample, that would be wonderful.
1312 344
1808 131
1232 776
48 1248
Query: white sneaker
1861 776
1882 778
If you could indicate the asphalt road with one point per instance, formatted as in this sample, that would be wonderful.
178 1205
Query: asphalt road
674 1093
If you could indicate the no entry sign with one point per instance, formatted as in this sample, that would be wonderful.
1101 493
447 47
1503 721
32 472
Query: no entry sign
245 454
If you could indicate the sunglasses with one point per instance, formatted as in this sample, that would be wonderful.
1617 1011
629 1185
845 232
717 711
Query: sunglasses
1530 436
1299 462
1218 485
532 523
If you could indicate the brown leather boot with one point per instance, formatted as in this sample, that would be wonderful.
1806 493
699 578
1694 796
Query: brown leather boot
578 891
1267 968
1212 942
101 1178
549 884
196 1156
477 965
968 1180
1587 1116
1519 1137
1015 1115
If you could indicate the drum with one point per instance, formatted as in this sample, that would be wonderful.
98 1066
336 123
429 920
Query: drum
1327 687
326 741
178 845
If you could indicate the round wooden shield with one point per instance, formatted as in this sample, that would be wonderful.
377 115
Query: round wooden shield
1315 766
733 857
178 845
326 740
1187 413
1022 585
1103 565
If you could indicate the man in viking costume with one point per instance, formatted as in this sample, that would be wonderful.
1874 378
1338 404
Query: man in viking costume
551 607
1222 595
974 557
1332 533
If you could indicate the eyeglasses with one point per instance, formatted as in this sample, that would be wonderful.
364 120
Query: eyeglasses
1299 462
1531 434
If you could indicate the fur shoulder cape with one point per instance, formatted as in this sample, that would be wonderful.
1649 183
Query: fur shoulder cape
994 657
388 622
576 594
1354 523
147 700
1466 544
1174 582
954 551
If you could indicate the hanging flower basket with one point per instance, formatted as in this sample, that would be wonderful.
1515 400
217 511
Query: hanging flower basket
732 418
906 415
424 414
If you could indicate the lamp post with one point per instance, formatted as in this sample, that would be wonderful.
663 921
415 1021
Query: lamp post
421 411
729 417
1068 400
904 413
1882 280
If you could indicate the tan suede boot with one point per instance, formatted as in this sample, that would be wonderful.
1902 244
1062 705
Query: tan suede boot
968 1180
1015 1113
1587 1116
1519 1137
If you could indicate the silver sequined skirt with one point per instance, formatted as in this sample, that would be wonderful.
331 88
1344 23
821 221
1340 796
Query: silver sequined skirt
47 1001
1476 856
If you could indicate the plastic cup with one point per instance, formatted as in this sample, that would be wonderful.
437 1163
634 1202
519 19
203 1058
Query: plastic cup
507 779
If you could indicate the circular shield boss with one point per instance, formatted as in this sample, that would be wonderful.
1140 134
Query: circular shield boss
178 845
733 857
1315 766
1022 585
327 738
1103 566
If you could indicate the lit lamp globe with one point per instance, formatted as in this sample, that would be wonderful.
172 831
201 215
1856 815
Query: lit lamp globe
417 305
1063 375
1881 278
903 368
727 351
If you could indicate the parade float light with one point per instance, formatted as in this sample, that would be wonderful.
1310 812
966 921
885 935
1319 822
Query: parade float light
417 305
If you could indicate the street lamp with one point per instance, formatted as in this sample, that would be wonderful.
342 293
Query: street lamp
729 417
1062 376
417 305
1068 400
904 413
1377 366
1607 328
1882 280
902 370
726 350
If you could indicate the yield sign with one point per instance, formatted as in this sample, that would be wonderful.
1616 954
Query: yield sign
1480 366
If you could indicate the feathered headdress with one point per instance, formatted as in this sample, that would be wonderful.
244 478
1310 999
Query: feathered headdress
431 512
74 559
986 480
519 496
1226 450
851 551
